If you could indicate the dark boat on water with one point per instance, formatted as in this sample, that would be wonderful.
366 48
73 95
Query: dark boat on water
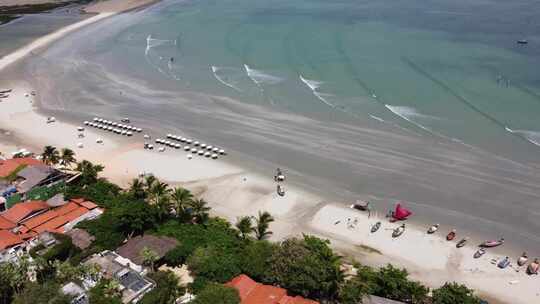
462 242
522 41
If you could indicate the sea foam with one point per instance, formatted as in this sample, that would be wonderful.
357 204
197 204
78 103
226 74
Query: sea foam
314 86
227 81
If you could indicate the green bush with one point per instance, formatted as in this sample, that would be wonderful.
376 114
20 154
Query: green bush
255 258
213 264
451 293
62 250
217 294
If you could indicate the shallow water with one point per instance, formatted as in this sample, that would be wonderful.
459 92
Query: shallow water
431 102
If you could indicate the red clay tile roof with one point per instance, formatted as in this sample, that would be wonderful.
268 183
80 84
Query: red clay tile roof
8 239
67 208
6 224
251 292
52 224
75 213
9 165
77 200
88 205
39 219
28 161
21 210
26 236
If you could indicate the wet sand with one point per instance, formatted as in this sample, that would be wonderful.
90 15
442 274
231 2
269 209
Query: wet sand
454 185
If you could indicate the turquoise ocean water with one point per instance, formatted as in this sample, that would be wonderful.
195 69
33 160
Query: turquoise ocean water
430 102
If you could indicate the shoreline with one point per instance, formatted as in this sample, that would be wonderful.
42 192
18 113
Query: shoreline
232 191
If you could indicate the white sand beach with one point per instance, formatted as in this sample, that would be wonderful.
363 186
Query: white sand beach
233 191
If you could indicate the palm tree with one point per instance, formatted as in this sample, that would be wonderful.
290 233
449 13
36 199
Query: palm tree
159 197
149 181
244 226
67 157
111 289
50 155
89 172
199 210
136 189
262 222
149 257
181 200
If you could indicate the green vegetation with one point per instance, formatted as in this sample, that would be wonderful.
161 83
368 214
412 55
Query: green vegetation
451 293
214 250
13 199
166 290
217 294
13 175
44 193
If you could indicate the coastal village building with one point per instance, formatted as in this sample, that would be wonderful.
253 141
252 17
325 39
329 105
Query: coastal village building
21 176
24 222
159 245
252 292
131 277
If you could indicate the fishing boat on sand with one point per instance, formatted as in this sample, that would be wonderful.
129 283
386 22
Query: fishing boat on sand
375 227
398 231
533 267
279 177
480 252
280 190
492 243
504 263
433 229
522 259
451 235
462 242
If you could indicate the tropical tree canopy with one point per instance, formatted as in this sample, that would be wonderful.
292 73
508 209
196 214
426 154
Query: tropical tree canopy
67 157
89 172
451 293
217 294
50 155
307 267
262 223
244 226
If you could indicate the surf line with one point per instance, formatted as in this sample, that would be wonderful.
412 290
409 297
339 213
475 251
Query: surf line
314 86
463 100
215 69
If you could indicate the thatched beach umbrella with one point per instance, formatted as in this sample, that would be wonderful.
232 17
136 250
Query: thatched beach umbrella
214 156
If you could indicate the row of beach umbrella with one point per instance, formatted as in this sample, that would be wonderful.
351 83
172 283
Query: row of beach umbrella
108 128
110 123
209 152
195 143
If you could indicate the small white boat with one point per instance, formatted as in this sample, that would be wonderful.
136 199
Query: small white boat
522 259
433 229
398 231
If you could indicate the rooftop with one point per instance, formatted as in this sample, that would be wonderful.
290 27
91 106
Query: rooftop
9 166
251 292
21 211
9 239
125 272
81 238
160 245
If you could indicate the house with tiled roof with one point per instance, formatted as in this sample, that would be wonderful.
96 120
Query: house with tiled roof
251 292
9 166
26 220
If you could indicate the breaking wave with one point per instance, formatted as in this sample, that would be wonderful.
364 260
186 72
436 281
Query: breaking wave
531 136
314 87
227 80
260 78
168 69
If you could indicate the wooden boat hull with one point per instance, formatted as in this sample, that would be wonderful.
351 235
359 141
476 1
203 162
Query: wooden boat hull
375 227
